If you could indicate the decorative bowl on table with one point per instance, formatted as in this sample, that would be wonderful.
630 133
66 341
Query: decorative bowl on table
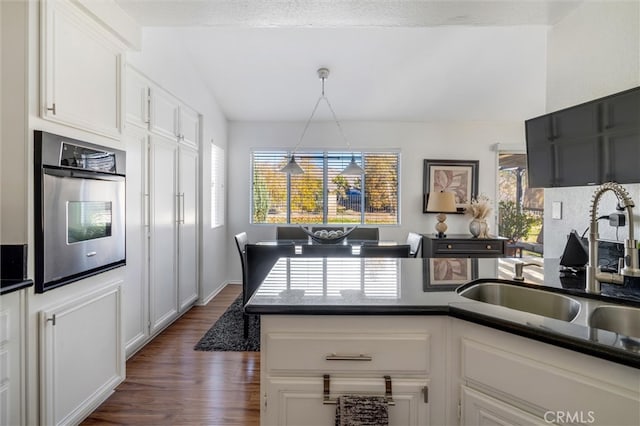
324 236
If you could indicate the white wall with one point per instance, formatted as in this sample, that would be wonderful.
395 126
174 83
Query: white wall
416 141
163 59
593 52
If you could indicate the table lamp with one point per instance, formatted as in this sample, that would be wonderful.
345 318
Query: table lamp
441 203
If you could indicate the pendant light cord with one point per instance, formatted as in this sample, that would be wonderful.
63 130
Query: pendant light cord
333 114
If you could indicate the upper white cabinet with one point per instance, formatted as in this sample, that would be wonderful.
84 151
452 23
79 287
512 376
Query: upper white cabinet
188 126
81 69
164 110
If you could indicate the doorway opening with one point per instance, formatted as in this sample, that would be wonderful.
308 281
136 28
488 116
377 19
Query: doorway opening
520 208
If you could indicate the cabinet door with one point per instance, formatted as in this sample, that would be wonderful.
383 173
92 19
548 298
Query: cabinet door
622 111
135 291
163 114
13 336
540 161
297 401
189 127
81 70
81 355
137 99
163 283
188 228
479 409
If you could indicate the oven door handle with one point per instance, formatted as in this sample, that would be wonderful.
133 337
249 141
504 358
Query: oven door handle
80 174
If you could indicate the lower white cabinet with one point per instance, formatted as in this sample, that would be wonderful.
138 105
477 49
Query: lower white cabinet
74 382
298 401
481 409
12 355
504 377
356 352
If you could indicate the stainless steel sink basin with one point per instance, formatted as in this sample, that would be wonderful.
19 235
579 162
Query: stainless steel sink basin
619 319
540 302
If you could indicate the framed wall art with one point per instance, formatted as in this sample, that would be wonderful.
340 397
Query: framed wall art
443 274
457 176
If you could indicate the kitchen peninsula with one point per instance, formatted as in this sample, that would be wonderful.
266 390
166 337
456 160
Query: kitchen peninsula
340 325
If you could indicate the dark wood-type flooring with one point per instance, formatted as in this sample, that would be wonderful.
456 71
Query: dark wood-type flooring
168 383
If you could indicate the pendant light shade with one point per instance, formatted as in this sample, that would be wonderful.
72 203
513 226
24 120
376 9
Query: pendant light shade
353 168
292 167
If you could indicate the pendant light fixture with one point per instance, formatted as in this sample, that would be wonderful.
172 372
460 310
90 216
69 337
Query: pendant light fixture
292 166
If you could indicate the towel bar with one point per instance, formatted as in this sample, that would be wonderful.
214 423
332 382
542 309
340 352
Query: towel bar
327 391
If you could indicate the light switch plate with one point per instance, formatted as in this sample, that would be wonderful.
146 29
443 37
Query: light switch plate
556 210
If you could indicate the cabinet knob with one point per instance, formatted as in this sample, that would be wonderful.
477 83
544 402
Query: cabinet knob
488 246
449 246
52 108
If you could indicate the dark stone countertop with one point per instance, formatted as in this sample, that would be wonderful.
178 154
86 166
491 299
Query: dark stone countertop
383 286
11 285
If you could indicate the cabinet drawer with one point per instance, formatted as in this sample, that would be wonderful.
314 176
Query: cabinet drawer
469 247
336 352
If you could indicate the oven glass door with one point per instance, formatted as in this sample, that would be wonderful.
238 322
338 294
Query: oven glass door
84 227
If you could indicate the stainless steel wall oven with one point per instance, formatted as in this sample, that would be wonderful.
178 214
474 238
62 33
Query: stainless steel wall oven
79 210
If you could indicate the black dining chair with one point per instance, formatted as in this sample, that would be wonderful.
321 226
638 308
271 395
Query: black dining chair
290 233
326 250
241 243
401 250
415 243
365 234
260 258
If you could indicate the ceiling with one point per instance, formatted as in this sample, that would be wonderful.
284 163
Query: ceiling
426 60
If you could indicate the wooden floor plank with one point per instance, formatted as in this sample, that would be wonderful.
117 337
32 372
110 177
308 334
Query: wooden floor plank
168 383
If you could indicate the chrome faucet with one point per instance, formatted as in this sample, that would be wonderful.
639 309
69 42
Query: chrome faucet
629 264
518 269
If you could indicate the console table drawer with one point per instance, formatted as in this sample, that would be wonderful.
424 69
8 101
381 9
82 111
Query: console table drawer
462 247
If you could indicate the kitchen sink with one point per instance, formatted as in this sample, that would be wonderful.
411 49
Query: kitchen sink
540 302
623 320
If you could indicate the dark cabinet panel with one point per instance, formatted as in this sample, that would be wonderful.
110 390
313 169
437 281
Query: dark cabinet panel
588 144
462 246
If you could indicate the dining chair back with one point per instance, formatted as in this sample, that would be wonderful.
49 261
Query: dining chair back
326 250
260 260
290 233
365 234
415 243
241 243
401 250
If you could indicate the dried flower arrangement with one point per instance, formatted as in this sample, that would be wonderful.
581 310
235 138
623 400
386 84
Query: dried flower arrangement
479 208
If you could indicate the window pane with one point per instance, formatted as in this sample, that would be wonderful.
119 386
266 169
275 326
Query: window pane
217 186
306 189
322 194
344 201
381 188
269 187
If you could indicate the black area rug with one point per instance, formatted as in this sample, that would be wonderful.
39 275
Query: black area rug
227 333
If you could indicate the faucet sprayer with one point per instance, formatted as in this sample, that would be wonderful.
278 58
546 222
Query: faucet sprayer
630 266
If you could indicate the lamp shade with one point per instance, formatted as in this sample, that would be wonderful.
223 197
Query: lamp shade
441 202
353 168
292 167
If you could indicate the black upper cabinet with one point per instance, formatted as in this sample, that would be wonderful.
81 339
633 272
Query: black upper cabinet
588 144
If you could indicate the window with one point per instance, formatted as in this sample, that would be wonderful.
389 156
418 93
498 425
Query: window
322 195
217 186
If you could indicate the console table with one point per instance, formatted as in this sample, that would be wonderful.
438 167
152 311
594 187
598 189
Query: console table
462 245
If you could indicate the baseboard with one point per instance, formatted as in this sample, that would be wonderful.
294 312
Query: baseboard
206 300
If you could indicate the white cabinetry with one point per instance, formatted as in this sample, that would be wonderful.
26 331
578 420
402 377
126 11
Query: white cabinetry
164 247
135 294
74 382
80 70
299 350
163 236
12 356
503 375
